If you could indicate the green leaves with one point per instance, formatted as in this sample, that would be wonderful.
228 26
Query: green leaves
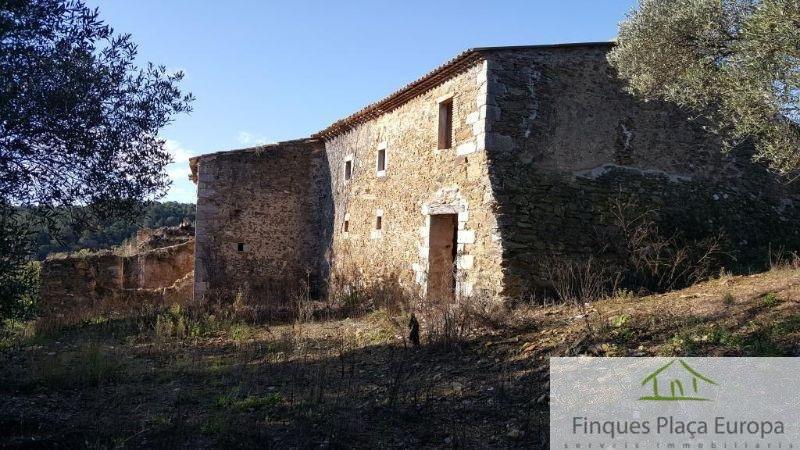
78 121
735 63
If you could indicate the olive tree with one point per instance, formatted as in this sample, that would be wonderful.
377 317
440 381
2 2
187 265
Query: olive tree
79 120
735 63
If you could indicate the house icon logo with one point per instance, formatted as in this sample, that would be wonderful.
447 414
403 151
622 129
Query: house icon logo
676 382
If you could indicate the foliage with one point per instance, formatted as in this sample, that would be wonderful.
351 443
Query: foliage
19 291
78 122
62 236
735 63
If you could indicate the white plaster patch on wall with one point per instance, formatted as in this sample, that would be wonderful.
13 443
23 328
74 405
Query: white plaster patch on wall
597 172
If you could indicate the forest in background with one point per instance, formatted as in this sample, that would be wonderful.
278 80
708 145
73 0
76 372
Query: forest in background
65 238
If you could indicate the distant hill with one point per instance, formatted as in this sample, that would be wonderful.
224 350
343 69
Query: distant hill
110 233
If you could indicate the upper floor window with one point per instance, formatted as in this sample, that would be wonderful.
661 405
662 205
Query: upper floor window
348 168
380 163
446 123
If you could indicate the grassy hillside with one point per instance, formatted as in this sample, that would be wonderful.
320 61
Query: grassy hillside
480 379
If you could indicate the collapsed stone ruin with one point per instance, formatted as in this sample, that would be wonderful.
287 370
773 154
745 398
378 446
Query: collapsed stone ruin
157 268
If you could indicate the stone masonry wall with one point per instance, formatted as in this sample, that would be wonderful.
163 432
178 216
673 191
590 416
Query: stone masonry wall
564 141
75 287
419 180
260 223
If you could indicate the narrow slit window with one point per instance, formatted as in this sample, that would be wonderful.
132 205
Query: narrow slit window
446 124
348 169
378 222
381 160
346 226
240 247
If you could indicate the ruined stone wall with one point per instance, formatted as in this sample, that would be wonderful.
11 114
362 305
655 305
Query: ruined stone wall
564 141
419 180
78 286
260 225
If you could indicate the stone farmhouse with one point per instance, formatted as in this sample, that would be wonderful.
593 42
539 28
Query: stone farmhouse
459 183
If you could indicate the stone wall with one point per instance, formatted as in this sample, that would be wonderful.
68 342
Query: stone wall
78 286
564 141
419 180
260 220
544 142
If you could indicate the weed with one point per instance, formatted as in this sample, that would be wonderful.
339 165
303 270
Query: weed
724 337
728 299
770 300
683 343
788 326
232 401
258 402
624 294
621 331
762 343
241 332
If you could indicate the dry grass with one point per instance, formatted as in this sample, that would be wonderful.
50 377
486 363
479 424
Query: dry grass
214 377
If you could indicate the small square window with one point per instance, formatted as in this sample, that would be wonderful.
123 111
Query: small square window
381 160
240 247
348 170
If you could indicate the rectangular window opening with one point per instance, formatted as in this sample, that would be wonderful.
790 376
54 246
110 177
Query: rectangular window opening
378 222
240 246
346 226
446 124
348 169
381 160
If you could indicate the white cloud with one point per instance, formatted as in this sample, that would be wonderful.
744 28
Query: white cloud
178 171
247 138
178 152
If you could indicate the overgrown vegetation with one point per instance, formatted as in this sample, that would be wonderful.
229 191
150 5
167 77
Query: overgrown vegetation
641 259
210 375
20 288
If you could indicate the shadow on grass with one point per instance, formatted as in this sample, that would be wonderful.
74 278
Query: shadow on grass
306 393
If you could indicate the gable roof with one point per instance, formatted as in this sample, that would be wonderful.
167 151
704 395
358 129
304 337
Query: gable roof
430 80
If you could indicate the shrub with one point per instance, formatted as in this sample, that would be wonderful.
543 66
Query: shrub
19 292
654 260
578 280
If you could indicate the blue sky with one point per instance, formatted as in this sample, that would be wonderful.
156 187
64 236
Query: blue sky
266 71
